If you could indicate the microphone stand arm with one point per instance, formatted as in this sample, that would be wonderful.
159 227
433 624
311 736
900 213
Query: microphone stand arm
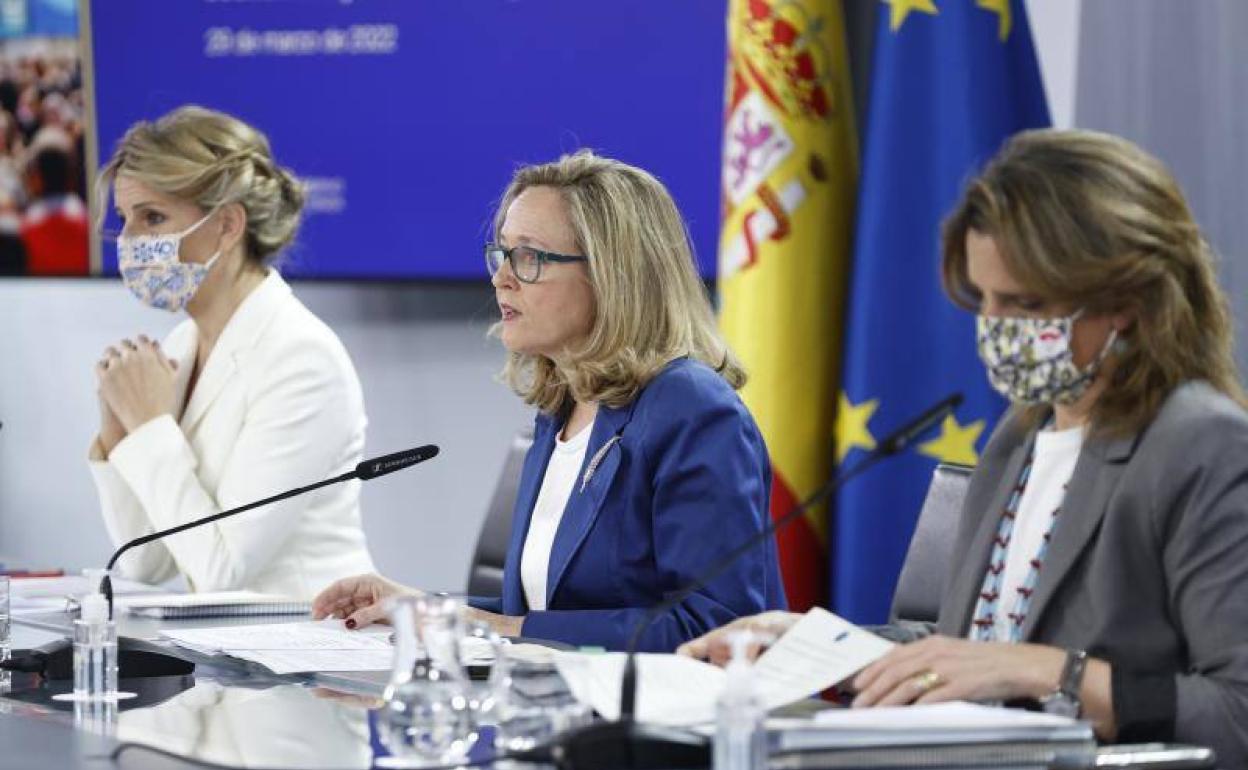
106 584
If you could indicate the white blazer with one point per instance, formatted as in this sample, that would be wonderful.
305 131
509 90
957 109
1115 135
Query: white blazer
278 405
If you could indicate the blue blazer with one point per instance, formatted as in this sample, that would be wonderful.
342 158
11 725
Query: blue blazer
685 480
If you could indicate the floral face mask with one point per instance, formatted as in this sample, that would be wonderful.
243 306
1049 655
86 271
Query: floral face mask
1029 360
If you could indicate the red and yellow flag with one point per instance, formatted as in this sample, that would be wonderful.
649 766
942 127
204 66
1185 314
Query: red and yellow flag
789 176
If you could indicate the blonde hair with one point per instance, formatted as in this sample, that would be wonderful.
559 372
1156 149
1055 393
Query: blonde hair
210 159
650 305
1092 220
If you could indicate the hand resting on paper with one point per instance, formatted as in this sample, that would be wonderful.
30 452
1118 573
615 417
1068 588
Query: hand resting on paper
716 646
361 600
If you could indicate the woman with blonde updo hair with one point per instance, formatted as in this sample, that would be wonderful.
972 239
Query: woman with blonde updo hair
646 468
248 396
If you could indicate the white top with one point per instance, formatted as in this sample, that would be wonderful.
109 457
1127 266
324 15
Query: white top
1052 466
277 405
562 476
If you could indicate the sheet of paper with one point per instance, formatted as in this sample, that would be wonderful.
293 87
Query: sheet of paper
818 651
671 689
303 661
322 645
302 636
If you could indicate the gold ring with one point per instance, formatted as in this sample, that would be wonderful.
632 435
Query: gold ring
927 680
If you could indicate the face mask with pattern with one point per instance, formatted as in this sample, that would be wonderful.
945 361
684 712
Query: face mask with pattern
151 270
1029 360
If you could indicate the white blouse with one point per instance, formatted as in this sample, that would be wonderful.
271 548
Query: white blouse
1056 453
561 475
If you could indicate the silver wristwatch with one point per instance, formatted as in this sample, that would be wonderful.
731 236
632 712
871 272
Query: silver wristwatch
1064 701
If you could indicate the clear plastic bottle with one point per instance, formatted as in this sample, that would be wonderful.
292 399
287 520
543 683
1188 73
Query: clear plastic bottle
95 651
740 726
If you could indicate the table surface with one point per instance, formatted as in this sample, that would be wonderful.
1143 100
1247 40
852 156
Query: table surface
229 712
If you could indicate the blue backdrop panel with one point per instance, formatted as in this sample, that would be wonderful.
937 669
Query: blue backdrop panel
409 116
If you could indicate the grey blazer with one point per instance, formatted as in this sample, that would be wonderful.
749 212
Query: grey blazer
1147 568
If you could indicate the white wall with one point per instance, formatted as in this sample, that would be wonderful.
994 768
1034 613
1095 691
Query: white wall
428 375
1055 34
1173 77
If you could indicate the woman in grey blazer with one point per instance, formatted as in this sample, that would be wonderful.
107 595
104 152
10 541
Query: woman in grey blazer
1101 563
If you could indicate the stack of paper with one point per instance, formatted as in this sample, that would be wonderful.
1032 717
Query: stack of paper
309 646
290 648
955 722
817 652
937 735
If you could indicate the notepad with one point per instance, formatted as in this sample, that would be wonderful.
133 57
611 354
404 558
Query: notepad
216 604
939 735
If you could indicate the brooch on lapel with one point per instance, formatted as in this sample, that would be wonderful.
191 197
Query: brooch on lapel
596 459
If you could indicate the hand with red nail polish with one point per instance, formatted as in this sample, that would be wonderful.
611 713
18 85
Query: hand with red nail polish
358 600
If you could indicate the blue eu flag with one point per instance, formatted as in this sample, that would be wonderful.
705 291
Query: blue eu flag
952 79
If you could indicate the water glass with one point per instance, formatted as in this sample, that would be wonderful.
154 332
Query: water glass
5 677
523 724
4 613
426 717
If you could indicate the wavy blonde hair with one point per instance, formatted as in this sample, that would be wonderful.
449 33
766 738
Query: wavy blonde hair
650 305
1092 220
211 159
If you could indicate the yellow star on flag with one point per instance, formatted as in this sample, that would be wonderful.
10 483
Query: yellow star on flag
1002 9
851 425
901 8
955 444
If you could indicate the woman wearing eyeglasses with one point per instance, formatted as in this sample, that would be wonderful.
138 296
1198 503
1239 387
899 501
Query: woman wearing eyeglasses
645 466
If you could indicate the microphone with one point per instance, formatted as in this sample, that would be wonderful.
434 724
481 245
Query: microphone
901 439
54 660
365 470
380 466
628 745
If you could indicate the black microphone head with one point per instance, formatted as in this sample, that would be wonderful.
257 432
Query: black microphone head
900 439
380 466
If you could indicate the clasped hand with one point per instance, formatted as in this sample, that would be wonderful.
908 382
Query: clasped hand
135 381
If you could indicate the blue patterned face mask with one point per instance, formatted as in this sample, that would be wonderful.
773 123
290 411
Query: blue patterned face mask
151 270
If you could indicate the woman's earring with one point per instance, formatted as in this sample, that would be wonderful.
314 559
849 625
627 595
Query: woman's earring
1120 346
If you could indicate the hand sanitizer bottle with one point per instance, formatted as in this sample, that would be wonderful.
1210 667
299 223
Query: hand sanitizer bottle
740 730
95 651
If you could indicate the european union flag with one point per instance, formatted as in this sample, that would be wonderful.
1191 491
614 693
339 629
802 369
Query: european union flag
952 79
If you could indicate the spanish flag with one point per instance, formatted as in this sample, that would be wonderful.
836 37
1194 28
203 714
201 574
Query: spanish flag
789 176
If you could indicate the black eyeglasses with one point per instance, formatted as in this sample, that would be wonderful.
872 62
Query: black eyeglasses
526 261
